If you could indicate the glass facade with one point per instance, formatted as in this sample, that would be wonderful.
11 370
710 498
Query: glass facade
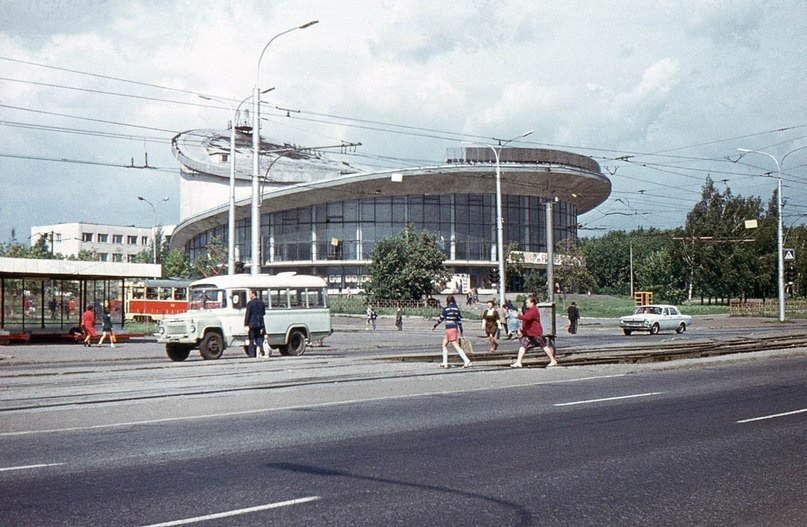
333 239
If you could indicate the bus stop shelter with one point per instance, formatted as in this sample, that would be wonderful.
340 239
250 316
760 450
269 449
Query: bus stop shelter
48 296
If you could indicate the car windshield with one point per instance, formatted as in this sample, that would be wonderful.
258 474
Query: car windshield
207 298
648 310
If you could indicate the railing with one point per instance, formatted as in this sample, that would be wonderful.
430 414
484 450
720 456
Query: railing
762 308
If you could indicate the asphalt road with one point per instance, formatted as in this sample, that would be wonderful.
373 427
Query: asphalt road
655 444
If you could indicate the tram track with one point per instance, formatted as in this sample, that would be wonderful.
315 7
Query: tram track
77 390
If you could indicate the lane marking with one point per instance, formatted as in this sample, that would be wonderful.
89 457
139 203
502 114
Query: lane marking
648 394
327 404
774 416
236 512
26 467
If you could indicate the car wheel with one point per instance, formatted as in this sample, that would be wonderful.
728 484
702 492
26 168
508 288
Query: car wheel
654 329
212 346
681 328
627 332
177 352
296 345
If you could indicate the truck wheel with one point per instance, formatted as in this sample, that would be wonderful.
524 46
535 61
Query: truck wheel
681 328
654 329
627 332
212 346
296 345
177 352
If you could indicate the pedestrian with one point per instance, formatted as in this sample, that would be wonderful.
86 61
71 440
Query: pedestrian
53 306
371 315
88 325
107 330
453 319
574 316
491 318
398 316
512 323
532 335
253 323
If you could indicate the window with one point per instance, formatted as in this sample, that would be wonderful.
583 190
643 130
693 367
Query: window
103 238
117 257
117 238
278 299
103 257
131 240
86 237
144 240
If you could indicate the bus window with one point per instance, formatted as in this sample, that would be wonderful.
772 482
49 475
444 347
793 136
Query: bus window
315 298
239 298
296 298
206 298
278 299
137 292
151 293
164 293
180 293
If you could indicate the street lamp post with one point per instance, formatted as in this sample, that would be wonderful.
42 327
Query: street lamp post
154 225
499 219
231 208
255 265
780 258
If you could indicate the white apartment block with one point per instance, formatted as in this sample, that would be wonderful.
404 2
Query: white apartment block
112 243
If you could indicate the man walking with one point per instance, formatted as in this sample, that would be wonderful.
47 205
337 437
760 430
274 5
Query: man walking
253 322
574 316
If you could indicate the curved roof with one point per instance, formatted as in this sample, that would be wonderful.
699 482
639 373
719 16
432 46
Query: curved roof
544 173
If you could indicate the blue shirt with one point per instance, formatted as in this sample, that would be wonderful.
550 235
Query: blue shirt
452 316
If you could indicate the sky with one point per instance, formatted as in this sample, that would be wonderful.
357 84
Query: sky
661 94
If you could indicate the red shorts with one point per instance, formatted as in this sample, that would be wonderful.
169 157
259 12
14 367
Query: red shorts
451 334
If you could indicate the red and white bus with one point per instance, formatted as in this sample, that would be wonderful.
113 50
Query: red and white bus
151 300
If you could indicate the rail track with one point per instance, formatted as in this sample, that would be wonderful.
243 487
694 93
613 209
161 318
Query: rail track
635 354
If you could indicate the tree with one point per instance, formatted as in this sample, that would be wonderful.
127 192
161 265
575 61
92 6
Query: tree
212 263
406 266
176 264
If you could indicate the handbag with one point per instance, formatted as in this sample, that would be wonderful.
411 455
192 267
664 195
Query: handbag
465 344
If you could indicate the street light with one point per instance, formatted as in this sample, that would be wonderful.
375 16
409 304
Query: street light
255 265
499 219
153 225
231 208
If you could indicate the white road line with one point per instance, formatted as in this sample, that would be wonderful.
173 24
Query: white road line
774 416
236 512
648 394
303 406
26 467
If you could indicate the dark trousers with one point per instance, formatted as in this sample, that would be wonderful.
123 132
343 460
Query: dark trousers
255 344
573 326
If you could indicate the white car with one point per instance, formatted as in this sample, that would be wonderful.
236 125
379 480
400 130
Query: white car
655 317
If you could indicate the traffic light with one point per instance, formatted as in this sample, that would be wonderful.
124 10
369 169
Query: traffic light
790 274
493 275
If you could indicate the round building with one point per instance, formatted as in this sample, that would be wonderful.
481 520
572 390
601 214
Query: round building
323 216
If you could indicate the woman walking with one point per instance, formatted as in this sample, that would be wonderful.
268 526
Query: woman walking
88 325
491 318
107 330
532 335
453 319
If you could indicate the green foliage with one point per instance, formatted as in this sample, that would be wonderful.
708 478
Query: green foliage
214 262
176 264
712 255
406 266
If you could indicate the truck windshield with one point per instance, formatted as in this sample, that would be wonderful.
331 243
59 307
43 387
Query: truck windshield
207 298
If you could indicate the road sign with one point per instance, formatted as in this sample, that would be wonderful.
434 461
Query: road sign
790 255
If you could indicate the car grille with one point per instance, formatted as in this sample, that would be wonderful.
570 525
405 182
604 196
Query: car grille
176 329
